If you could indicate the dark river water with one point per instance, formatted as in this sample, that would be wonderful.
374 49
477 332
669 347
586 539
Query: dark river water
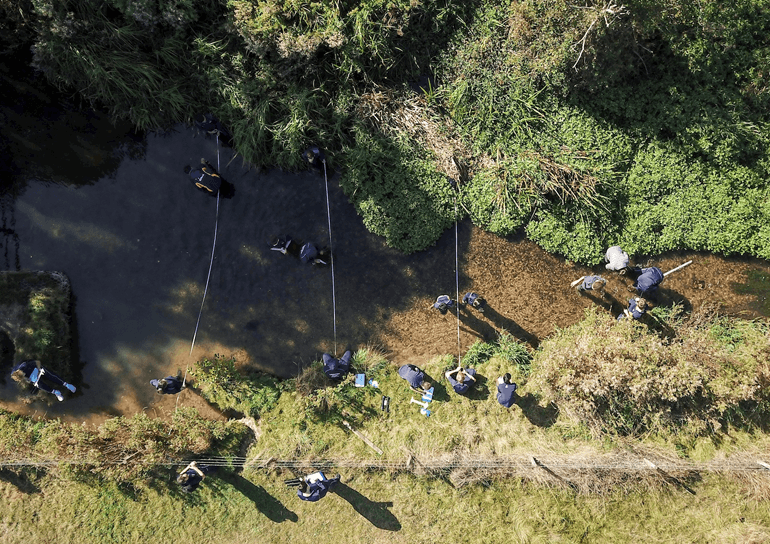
116 213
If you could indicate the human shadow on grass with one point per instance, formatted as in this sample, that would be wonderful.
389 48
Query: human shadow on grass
20 479
541 416
376 513
271 507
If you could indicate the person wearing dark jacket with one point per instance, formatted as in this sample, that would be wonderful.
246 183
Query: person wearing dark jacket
205 177
315 486
637 307
592 283
461 379
474 300
648 281
415 377
211 125
310 253
191 477
32 372
336 369
444 302
170 385
315 158
506 391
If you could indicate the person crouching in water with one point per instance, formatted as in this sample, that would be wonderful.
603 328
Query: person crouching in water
33 373
474 301
592 283
205 178
315 486
170 385
311 254
637 307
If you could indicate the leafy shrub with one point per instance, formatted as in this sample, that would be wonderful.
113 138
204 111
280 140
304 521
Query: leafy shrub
122 449
219 382
397 191
623 378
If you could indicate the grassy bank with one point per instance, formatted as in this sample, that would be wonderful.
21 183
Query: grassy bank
644 124
433 484
375 508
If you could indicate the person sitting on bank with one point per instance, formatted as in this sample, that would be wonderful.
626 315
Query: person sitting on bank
637 307
648 281
415 377
444 302
205 177
314 487
170 385
506 391
461 379
310 253
336 369
616 259
592 283
191 477
33 373
474 300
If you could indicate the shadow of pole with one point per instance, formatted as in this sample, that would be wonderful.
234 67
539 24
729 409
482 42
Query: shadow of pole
376 513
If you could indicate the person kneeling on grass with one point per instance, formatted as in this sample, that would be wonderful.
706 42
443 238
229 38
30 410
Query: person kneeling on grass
336 369
462 380
191 477
506 391
32 372
315 486
415 377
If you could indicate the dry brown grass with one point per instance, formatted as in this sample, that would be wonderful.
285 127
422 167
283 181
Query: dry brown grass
397 113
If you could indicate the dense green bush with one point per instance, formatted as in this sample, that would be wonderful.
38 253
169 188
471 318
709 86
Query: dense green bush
624 378
220 383
397 190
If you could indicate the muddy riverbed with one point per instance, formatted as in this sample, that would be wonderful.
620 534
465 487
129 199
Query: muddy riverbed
122 220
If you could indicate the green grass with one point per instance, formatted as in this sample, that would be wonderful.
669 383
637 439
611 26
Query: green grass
380 508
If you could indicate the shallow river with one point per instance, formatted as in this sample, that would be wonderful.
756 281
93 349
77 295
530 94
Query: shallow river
116 213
